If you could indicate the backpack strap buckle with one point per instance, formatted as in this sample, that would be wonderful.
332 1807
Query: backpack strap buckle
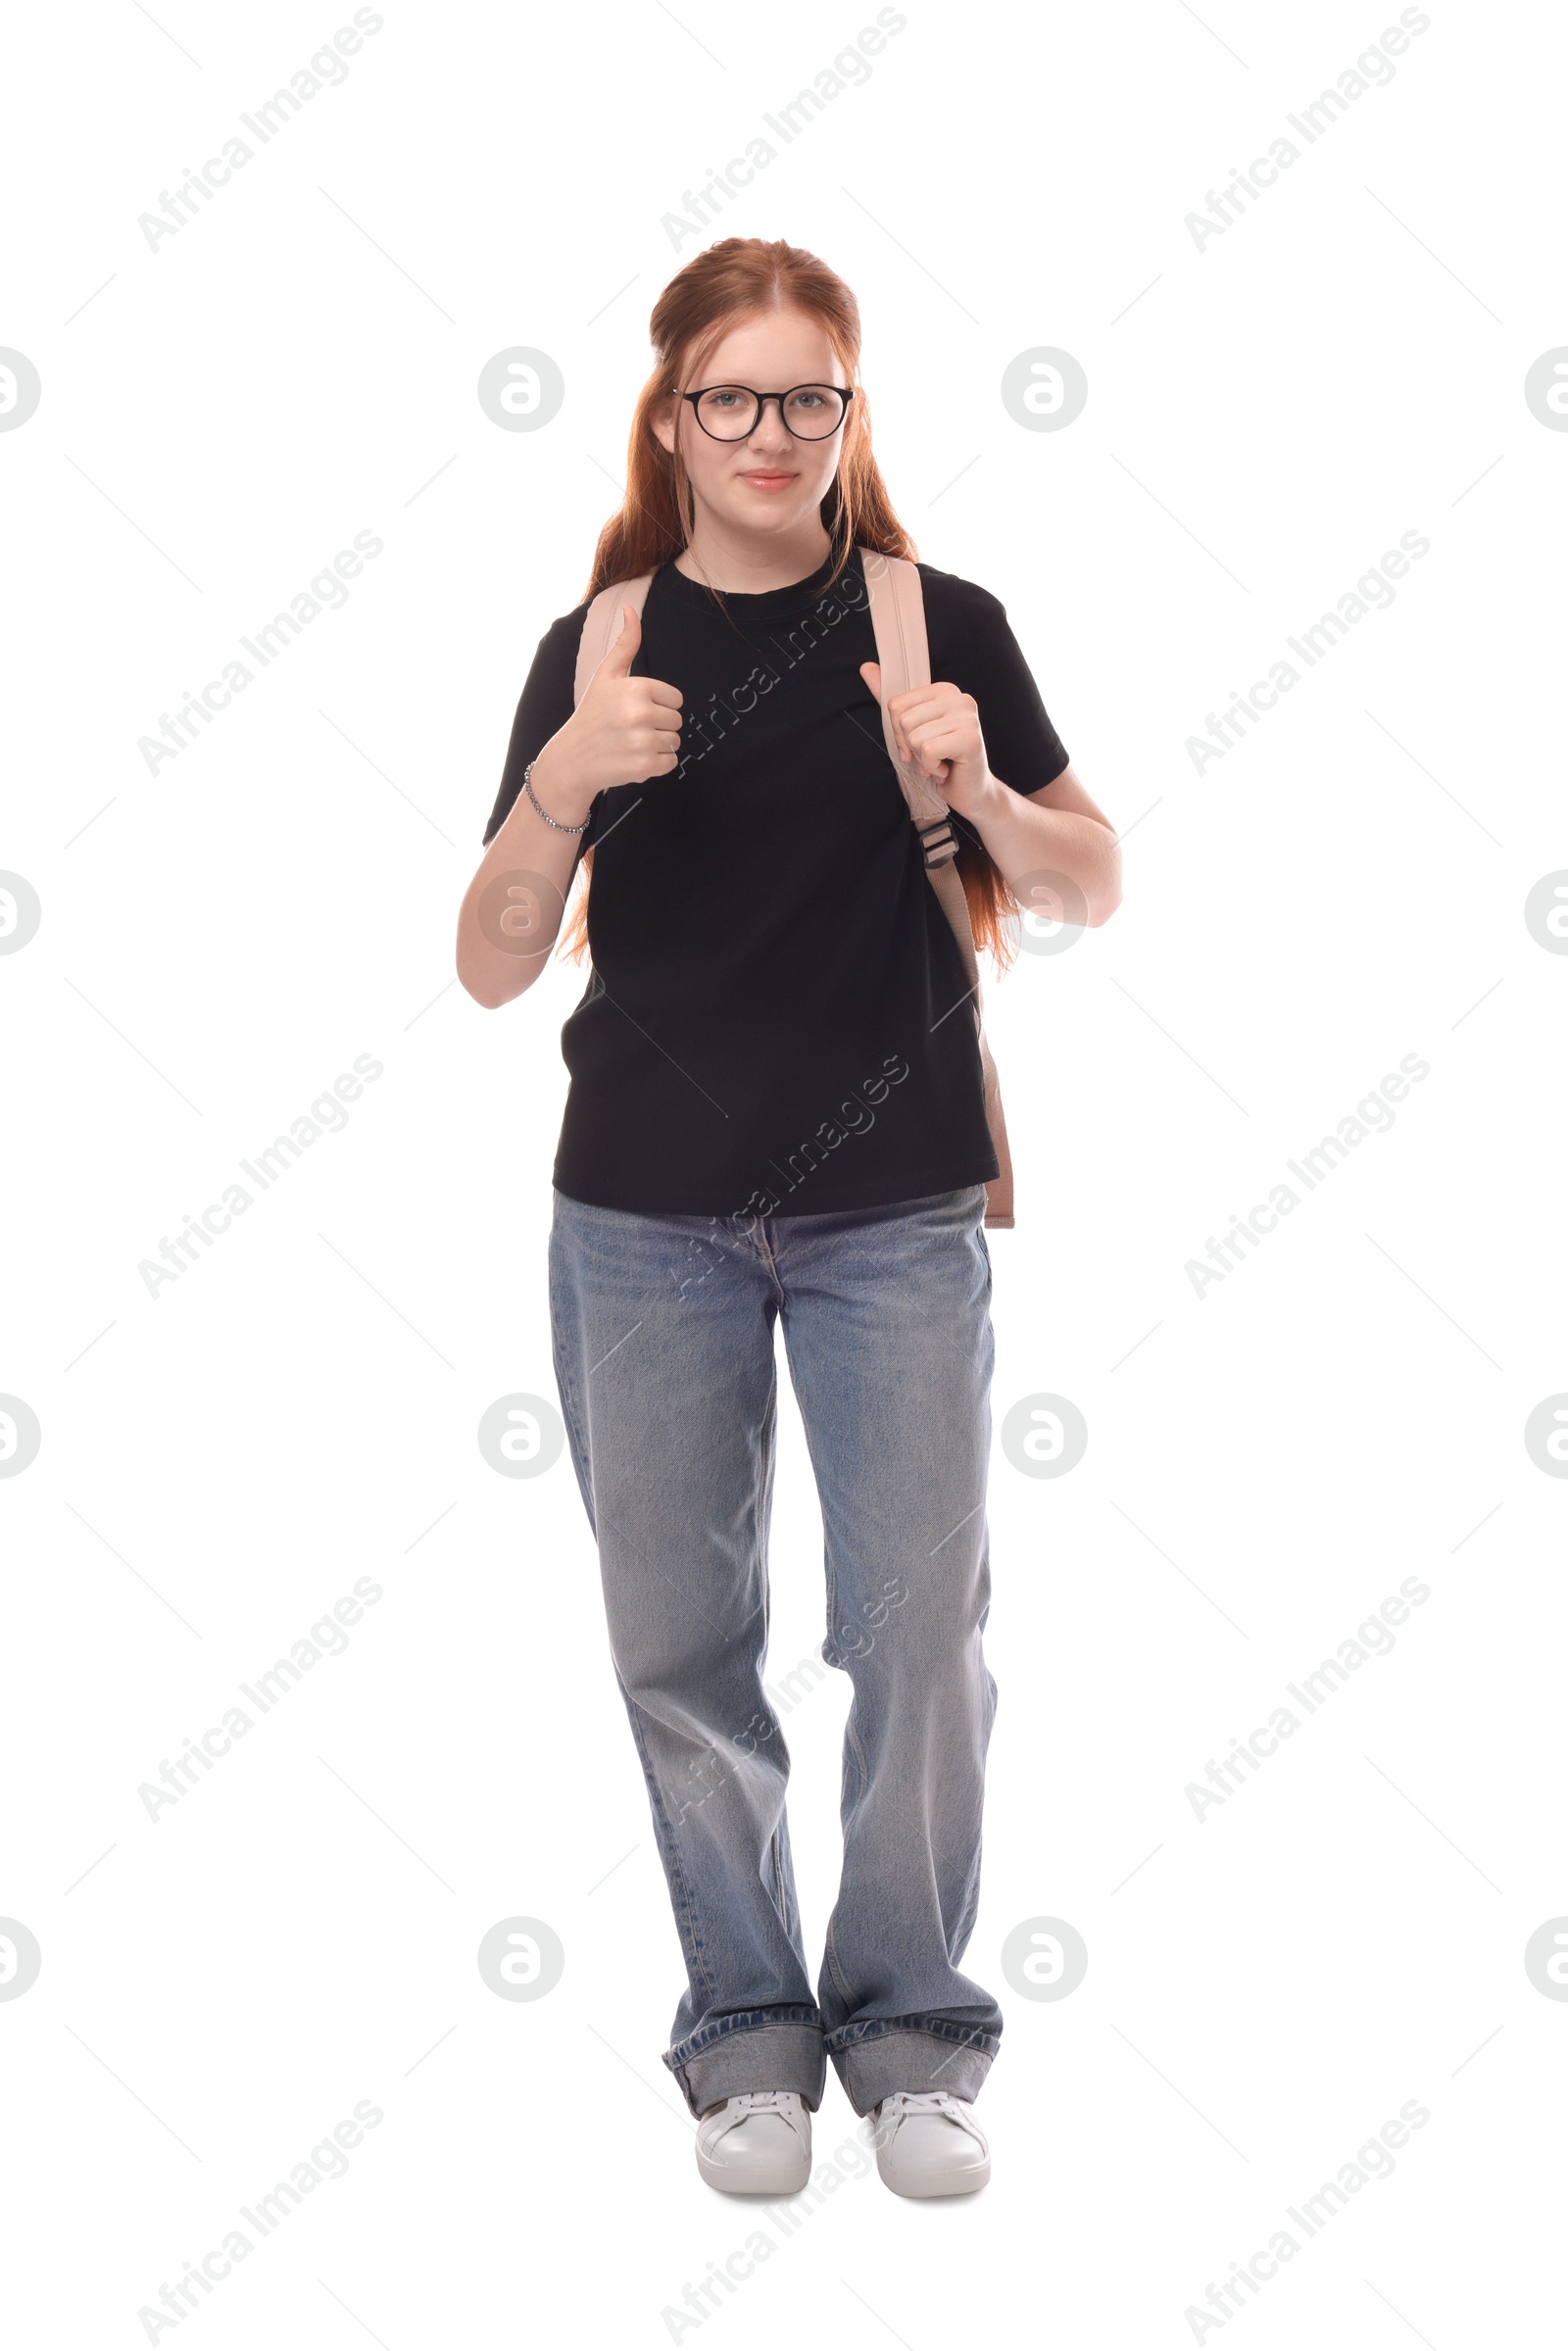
938 840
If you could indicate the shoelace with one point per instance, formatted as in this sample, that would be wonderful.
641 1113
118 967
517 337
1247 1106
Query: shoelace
902 2103
754 2102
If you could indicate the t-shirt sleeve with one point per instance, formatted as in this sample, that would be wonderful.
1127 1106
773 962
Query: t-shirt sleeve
1023 747
547 703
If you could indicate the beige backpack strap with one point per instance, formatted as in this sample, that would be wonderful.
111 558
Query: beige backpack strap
898 615
602 625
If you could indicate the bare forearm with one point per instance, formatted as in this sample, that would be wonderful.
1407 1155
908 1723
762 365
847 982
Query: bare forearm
511 915
1026 836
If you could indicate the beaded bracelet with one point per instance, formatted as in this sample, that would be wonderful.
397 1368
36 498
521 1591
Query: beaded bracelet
539 811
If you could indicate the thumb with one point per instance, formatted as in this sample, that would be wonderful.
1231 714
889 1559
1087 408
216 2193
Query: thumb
871 671
622 653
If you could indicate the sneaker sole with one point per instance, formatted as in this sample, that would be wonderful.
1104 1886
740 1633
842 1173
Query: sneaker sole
938 2183
759 2180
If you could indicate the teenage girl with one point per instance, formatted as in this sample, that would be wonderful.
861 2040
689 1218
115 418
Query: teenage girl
777 1113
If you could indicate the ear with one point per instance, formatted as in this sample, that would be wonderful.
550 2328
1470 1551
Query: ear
662 419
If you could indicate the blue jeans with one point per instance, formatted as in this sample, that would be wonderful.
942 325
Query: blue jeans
664 1360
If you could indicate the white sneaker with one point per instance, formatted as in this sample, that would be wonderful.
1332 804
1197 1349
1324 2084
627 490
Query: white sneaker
928 2143
756 2145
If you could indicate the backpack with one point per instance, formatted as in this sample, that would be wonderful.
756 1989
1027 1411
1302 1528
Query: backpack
898 616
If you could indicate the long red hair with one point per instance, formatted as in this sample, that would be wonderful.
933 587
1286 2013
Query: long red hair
738 278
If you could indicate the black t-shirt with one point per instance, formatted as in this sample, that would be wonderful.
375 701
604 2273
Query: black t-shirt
775 1019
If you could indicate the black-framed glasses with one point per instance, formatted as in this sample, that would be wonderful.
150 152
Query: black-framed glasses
732 412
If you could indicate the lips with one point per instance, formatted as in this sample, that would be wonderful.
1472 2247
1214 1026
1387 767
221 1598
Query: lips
761 480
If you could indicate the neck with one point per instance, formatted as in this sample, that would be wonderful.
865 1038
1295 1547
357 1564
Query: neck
746 563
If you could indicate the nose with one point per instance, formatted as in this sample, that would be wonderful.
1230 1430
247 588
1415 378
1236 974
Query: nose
771 430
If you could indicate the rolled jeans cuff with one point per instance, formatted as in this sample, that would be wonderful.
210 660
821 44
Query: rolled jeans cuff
751 2052
873 2060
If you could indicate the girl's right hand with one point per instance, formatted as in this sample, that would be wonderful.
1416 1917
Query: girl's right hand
626 731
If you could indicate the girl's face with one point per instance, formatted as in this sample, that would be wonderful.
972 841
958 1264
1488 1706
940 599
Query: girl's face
771 481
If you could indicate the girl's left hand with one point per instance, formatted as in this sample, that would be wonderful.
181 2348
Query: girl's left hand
939 730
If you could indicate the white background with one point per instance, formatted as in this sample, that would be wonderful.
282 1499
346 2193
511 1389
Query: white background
1266 415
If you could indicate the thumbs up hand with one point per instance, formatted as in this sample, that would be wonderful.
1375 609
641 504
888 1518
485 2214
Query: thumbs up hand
626 731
